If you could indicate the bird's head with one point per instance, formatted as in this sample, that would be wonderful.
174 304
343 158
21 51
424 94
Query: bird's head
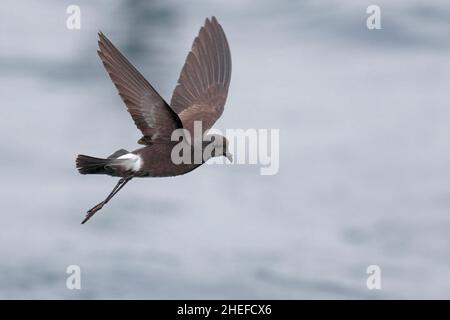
216 145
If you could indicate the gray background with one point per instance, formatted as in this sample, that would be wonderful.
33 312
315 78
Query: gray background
364 158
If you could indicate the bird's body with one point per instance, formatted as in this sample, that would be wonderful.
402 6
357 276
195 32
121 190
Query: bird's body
199 97
157 162
149 161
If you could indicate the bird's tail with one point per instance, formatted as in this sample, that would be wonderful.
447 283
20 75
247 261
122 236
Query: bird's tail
91 165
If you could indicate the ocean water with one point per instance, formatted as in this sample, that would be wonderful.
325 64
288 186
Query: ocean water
364 175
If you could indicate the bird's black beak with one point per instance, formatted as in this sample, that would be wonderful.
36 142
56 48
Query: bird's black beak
229 156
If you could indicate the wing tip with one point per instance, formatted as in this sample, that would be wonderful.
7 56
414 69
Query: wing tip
102 39
212 25
209 21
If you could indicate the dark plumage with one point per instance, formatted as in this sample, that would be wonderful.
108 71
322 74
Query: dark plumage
200 95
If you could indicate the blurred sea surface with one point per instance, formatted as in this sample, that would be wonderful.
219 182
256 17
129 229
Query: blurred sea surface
364 173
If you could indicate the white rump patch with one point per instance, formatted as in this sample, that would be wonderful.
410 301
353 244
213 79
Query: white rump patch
133 163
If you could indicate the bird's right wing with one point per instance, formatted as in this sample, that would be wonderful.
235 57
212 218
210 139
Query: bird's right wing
202 88
150 112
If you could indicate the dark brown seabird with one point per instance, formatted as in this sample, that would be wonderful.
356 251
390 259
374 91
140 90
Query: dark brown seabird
200 95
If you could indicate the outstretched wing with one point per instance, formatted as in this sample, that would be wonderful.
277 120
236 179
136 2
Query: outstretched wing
150 112
202 88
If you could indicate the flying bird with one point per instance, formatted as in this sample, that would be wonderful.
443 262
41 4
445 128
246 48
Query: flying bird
199 96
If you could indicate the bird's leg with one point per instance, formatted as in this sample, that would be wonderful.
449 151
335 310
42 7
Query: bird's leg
114 191
117 188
